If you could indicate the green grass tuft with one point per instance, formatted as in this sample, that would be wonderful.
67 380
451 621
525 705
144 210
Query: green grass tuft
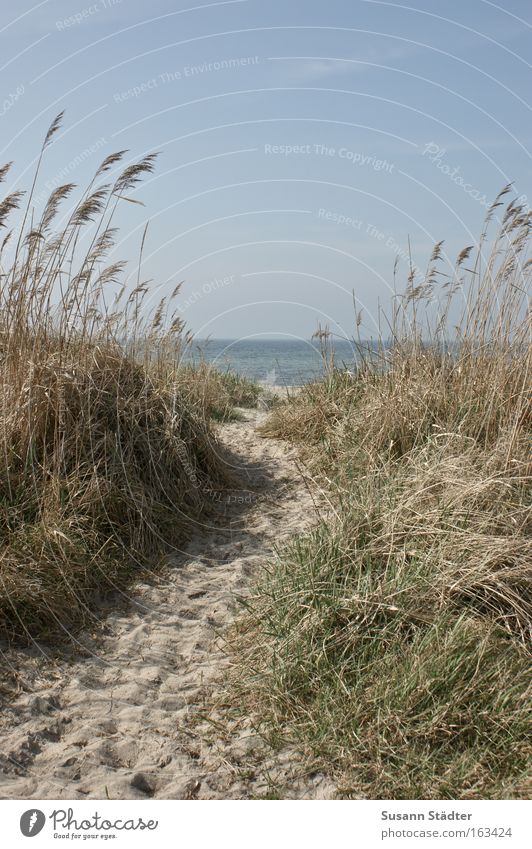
392 642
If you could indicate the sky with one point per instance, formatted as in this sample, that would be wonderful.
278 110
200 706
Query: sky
304 146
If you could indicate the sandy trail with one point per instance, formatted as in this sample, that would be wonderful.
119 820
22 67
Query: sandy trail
126 720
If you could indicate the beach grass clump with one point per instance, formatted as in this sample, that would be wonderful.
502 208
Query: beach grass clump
392 642
105 461
218 393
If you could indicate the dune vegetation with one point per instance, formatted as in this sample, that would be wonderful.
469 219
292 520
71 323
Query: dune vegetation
108 456
391 644
218 392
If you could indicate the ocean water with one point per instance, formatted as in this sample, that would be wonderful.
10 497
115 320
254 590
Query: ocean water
278 362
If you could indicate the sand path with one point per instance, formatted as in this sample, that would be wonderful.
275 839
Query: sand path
127 719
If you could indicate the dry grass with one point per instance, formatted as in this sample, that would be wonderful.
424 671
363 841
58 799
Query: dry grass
217 392
392 642
106 457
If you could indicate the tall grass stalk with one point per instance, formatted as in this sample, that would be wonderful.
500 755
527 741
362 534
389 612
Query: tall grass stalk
106 459
392 643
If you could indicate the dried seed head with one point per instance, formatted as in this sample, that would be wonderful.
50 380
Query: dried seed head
52 130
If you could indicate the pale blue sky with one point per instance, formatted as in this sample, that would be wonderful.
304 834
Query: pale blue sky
302 143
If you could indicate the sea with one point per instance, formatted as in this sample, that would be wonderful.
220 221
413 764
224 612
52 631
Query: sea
274 362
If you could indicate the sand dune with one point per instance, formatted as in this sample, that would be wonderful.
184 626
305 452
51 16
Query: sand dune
127 717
